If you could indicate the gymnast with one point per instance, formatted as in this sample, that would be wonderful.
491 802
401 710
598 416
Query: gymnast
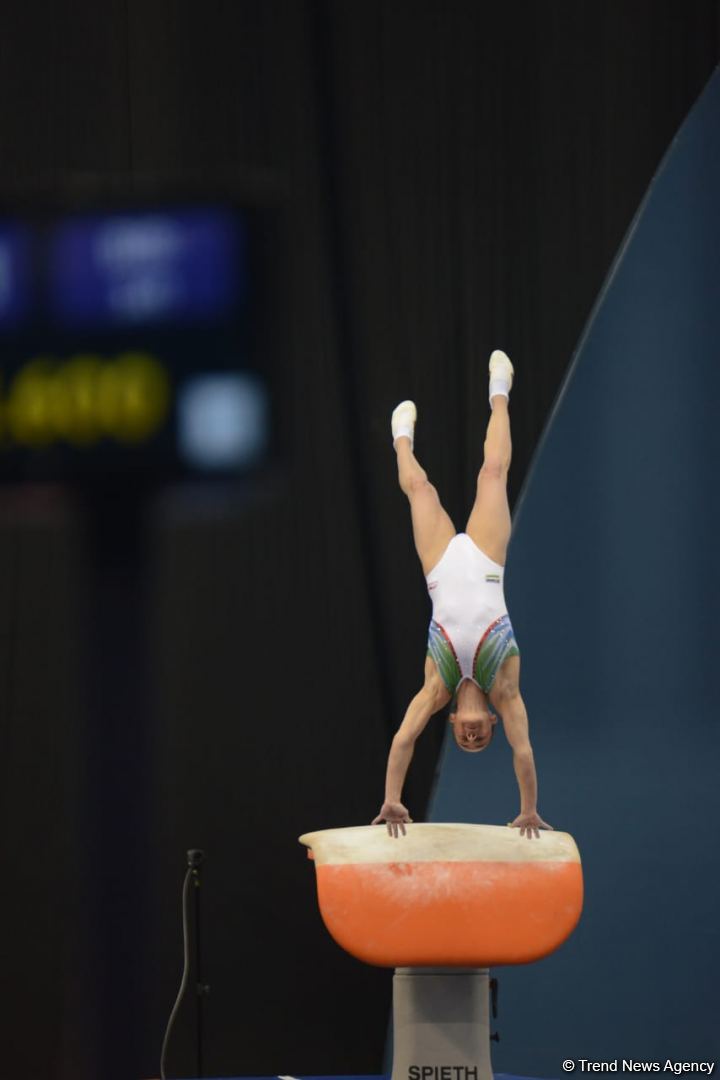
472 657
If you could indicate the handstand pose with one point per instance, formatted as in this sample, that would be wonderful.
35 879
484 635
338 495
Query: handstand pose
472 653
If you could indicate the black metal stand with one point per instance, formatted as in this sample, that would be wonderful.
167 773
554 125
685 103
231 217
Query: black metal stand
195 859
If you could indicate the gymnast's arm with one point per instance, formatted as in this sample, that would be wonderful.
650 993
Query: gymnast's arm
515 723
428 701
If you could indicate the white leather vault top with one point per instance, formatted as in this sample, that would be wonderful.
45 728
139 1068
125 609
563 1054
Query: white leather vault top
438 843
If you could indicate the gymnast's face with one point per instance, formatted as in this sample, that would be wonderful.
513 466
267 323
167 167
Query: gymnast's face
473 729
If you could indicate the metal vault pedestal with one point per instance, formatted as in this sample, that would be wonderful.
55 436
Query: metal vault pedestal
441 1024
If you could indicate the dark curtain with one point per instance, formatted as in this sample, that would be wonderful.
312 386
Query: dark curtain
454 177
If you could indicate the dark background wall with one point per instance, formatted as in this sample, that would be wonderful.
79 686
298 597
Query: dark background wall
454 177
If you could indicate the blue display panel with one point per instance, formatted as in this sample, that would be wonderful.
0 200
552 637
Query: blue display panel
133 342
126 269
15 286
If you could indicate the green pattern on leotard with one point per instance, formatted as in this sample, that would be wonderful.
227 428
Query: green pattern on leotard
497 644
440 649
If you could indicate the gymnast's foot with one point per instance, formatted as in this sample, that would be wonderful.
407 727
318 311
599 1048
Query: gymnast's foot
501 374
403 421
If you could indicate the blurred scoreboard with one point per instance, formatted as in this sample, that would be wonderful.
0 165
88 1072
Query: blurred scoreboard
133 344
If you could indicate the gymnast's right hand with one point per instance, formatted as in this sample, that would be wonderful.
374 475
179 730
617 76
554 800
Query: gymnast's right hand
395 816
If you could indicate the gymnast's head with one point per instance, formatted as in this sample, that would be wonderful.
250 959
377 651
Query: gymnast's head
473 728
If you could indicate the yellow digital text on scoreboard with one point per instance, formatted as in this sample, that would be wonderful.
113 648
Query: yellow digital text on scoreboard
84 399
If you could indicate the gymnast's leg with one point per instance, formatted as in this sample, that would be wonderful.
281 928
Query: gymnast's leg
489 523
432 528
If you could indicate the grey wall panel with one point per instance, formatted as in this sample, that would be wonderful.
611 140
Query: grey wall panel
612 585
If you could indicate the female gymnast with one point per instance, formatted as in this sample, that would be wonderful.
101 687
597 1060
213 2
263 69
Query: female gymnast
472 654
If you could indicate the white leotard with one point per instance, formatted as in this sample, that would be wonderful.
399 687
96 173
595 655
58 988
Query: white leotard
466 589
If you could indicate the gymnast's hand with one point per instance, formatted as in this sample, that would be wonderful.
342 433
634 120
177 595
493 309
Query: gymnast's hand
394 815
530 825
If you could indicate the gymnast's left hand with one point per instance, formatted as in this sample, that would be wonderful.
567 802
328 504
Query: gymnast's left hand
395 816
530 825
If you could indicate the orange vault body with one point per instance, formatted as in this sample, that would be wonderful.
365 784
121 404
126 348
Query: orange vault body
447 895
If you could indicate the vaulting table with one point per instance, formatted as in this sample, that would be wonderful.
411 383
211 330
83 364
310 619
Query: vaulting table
441 905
